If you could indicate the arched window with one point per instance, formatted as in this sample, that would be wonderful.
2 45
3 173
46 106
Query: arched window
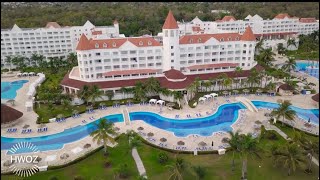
190 40
149 43
97 45
199 40
221 39
105 45
250 45
140 43
237 38
114 44
229 38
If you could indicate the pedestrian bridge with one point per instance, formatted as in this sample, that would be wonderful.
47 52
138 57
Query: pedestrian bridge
246 102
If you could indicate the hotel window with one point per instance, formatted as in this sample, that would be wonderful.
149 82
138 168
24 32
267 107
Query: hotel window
171 33
166 33
104 45
171 47
149 43
97 54
114 44
140 43
199 40
221 39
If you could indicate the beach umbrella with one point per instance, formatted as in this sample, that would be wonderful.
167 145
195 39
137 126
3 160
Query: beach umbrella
246 90
60 116
181 143
202 143
163 139
9 114
150 134
26 126
225 92
140 128
315 97
235 91
170 104
116 129
64 156
75 112
86 146
225 140
259 90
38 159
102 104
258 122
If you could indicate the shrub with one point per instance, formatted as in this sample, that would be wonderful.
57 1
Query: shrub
163 158
107 164
53 178
271 135
122 171
78 178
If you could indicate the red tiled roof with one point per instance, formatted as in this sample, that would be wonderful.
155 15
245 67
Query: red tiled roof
163 81
282 16
132 71
85 44
228 18
202 38
248 35
174 74
170 22
96 32
204 66
308 20
53 24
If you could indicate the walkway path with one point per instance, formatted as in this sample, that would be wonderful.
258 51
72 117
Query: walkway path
137 159
272 127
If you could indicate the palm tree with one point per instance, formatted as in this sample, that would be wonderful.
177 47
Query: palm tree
177 169
165 91
103 132
212 80
152 85
124 91
192 89
234 143
290 156
84 93
248 146
258 47
72 59
290 64
177 96
291 41
139 91
109 94
253 78
8 60
207 84
221 79
271 86
95 93
227 82
284 111
199 171
238 71
267 56
197 83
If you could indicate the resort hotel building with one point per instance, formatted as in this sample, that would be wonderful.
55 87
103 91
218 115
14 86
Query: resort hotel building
50 41
176 62
273 31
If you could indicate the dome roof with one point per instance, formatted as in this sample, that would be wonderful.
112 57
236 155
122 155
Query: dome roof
174 74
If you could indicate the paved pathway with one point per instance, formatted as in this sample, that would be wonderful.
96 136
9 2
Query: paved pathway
137 159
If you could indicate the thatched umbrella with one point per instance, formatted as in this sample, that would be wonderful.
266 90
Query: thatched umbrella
86 146
202 143
225 92
75 112
150 134
315 97
258 122
64 156
38 159
163 139
235 91
180 143
89 107
26 126
11 101
8 162
116 129
170 104
8 114
259 90
246 91
60 116
140 128
225 140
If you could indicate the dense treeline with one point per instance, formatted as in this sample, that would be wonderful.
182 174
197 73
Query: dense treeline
142 18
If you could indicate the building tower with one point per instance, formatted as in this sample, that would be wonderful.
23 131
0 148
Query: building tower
171 54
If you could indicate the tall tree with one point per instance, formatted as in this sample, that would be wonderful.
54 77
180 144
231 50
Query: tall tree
95 93
238 71
178 96
103 132
266 56
84 93
152 85
234 143
289 64
284 111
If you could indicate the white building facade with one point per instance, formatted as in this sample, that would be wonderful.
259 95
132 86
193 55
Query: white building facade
120 62
51 41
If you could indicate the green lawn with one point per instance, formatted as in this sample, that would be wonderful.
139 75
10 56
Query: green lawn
217 167
302 55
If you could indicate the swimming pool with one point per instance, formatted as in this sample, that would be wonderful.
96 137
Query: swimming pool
311 68
9 89
225 116
313 114
56 141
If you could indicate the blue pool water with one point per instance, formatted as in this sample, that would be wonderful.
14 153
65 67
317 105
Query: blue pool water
313 114
56 141
220 121
305 67
9 89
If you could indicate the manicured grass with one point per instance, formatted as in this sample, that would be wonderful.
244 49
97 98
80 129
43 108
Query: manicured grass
217 167
301 55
